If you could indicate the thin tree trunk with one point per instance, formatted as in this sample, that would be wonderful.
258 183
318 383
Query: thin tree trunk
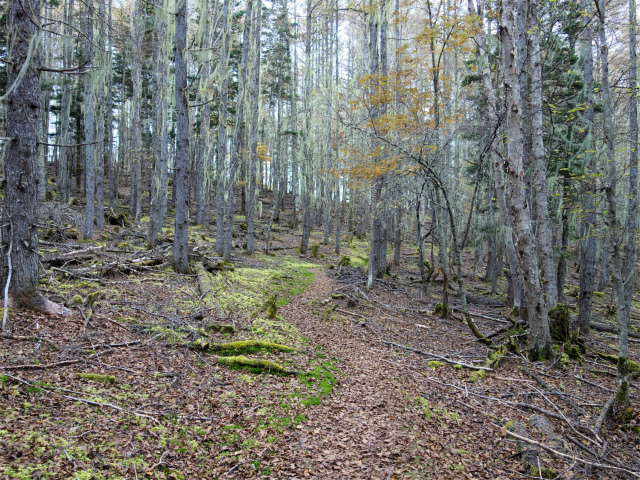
222 128
89 126
180 251
588 225
539 160
237 134
255 121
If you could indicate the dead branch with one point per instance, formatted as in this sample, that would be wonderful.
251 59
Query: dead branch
439 357
535 377
604 413
571 457
45 366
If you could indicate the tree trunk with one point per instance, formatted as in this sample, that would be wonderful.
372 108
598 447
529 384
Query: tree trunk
588 225
539 335
234 162
180 253
89 126
20 222
253 136
222 128
539 160
135 193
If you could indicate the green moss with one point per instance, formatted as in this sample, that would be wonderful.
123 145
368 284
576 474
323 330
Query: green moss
220 329
457 366
271 307
345 261
559 323
91 298
314 250
77 299
614 359
243 346
477 375
104 379
544 472
435 364
598 294
253 365
277 331
441 310
320 381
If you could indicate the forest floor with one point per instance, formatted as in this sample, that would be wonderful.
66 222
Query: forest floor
138 379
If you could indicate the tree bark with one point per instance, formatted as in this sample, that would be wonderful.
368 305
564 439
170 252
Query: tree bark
539 335
20 223
180 253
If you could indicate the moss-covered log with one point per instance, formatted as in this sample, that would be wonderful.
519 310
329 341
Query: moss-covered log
264 365
242 346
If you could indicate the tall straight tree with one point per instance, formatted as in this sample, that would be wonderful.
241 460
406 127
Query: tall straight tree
539 334
588 226
158 192
19 258
253 136
135 194
234 161
180 252
221 155
89 125
539 160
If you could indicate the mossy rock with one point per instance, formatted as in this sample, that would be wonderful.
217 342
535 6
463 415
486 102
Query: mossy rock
441 310
314 251
254 365
77 299
345 261
220 329
92 298
94 377
560 320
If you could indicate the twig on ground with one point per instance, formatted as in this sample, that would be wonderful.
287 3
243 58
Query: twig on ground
45 366
439 357
570 457
535 377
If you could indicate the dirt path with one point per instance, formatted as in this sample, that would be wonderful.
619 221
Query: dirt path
370 427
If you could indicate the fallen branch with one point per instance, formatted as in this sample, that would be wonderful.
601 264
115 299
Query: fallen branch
28 338
439 357
570 457
45 366
604 413
535 377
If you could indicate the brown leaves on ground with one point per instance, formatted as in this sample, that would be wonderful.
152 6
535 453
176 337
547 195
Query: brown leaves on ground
361 410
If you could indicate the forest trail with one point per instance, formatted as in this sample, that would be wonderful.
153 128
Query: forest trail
371 426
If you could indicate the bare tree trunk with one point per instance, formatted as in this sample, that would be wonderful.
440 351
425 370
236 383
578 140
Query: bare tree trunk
89 126
237 134
135 194
100 130
222 128
306 147
158 193
180 252
539 160
19 229
588 225
628 267
65 153
255 121
539 335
